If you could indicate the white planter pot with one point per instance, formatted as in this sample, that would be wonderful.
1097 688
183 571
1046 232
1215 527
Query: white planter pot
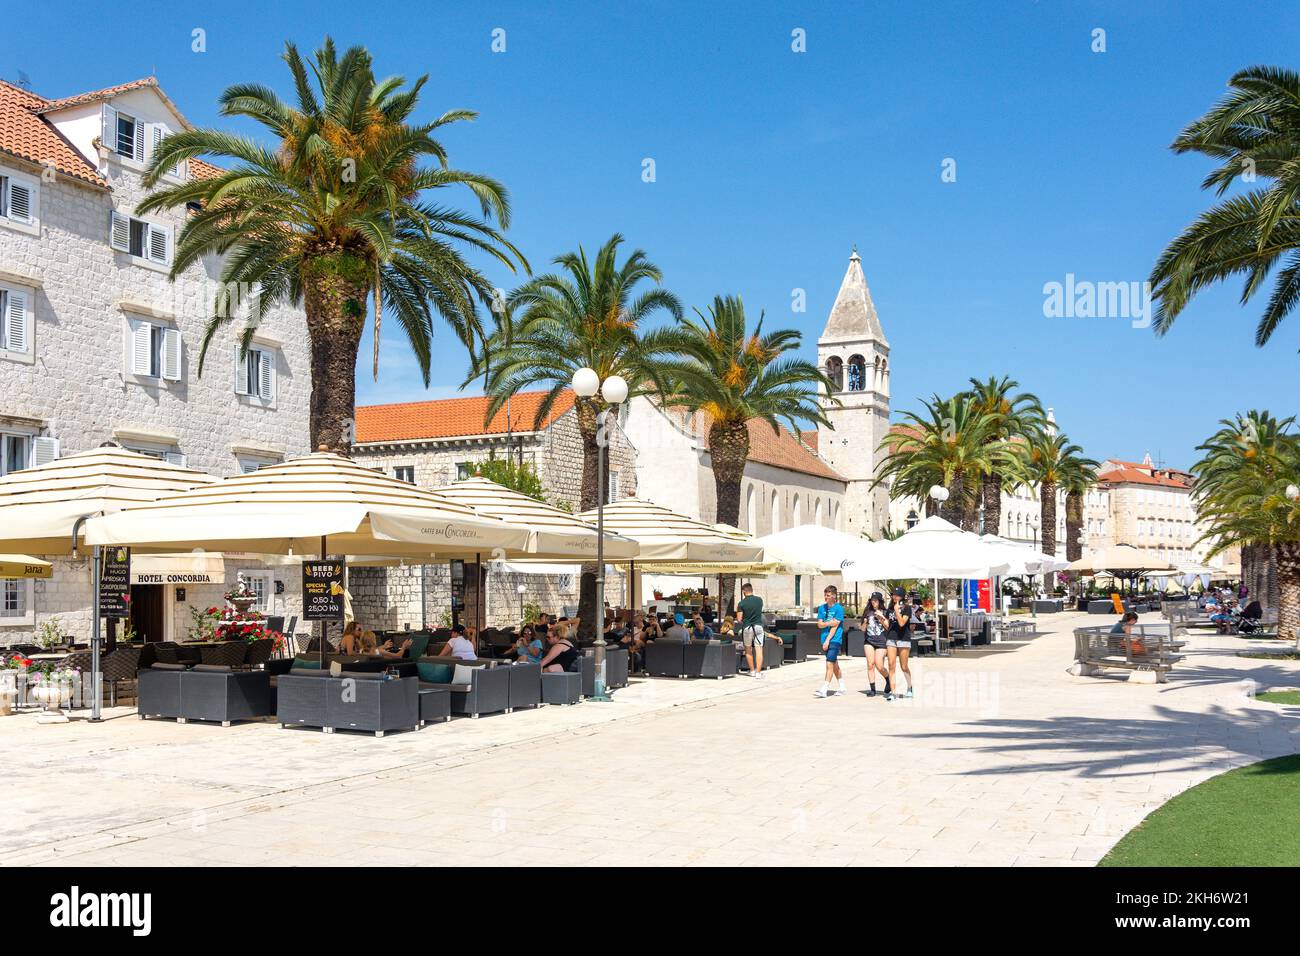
51 695
8 692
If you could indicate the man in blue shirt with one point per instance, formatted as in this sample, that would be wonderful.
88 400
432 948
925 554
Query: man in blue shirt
830 618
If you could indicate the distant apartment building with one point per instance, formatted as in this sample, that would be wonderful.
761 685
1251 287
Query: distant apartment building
98 344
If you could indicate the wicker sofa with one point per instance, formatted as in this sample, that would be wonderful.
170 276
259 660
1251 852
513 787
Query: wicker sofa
354 700
716 659
204 692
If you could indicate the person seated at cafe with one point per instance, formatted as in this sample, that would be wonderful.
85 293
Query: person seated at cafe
706 610
677 630
541 624
728 627
461 644
699 630
562 652
650 628
528 647
351 644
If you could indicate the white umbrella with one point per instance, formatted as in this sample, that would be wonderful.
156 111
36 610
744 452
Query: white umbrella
665 535
1023 559
934 548
812 549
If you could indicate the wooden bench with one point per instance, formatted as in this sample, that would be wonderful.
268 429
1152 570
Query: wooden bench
1147 655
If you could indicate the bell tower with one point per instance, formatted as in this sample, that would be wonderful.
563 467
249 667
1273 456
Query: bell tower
853 353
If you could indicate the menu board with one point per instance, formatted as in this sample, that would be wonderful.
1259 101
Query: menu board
457 585
115 582
322 590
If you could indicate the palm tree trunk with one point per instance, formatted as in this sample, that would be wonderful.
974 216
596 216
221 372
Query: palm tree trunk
336 312
991 489
728 452
1047 508
953 509
1073 525
592 495
1287 555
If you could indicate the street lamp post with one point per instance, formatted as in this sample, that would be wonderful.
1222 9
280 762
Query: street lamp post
521 589
586 383
938 494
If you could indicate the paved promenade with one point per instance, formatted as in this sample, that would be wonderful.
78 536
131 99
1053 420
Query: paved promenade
1001 759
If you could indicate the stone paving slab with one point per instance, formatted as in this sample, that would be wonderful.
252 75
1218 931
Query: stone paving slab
1000 760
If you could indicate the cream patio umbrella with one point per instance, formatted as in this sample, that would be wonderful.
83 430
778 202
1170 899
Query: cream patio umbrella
1121 560
42 509
813 549
555 534
318 503
669 541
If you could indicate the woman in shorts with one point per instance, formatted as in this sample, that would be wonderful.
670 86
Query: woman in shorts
874 625
898 641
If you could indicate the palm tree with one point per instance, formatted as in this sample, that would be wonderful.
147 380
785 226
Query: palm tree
1257 440
1254 132
584 316
1077 482
948 444
1049 461
333 214
1248 494
735 375
1014 417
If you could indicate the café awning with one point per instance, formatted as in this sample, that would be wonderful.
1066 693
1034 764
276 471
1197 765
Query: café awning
289 507
1122 559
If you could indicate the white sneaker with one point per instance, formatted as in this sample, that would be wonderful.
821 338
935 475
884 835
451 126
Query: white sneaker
839 693
819 693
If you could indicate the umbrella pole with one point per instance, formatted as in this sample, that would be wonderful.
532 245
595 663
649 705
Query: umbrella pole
95 562
324 625
478 597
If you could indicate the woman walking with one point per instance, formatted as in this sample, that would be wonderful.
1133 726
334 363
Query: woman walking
875 624
898 641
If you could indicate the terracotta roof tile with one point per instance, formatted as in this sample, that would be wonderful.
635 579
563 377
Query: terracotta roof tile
26 135
199 169
96 95
452 418
1137 476
783 449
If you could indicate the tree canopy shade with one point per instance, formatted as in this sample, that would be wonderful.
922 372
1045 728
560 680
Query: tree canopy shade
1014 416
1254 134
334 213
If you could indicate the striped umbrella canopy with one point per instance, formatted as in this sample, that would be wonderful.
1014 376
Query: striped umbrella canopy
556 534
288 508
666 536
39 506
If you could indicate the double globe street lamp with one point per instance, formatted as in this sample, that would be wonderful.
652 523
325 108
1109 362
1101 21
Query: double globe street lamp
586 384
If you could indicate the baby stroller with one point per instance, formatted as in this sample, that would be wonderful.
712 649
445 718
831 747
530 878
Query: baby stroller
1247 621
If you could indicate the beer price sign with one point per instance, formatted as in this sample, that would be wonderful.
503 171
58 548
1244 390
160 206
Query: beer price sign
322 590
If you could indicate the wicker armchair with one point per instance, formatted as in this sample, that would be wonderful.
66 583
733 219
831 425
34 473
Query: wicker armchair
119 665
259 652
226 653
166 652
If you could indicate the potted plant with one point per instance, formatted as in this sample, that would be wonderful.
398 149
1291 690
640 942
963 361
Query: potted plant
10 668
50 685
50 635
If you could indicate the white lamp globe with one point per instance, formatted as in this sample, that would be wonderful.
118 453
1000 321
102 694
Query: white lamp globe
614 390
586 382
521 589
938 492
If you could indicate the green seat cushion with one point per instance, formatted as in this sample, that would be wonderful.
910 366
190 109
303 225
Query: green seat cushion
419 644
307 664
435 673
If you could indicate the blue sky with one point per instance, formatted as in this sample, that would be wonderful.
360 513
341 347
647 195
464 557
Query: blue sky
772 164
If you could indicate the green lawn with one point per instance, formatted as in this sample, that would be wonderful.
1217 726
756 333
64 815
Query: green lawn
1279 697
1245 817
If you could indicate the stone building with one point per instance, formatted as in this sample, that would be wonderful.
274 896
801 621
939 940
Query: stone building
100 345
1147 506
